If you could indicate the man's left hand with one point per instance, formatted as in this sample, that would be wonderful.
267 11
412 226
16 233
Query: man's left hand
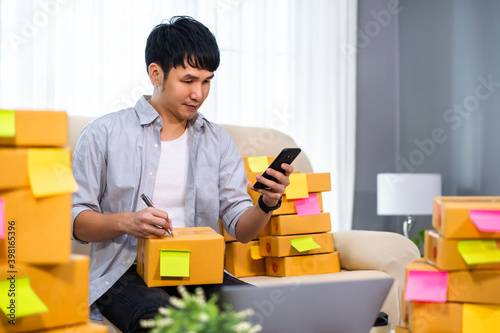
275 190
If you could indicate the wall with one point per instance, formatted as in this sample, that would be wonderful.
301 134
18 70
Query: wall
377 110
443 55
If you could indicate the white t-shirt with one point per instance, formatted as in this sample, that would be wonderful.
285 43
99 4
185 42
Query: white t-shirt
170 185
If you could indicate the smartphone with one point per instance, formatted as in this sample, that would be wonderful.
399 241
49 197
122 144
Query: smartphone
287 155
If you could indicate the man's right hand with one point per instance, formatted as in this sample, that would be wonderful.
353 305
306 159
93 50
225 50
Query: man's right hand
148 223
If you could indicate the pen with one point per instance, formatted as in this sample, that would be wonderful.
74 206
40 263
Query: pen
149 203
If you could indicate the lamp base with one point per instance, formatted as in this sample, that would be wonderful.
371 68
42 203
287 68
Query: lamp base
408 225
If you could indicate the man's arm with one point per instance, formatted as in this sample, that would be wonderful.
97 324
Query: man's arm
89 170
91 226
254 219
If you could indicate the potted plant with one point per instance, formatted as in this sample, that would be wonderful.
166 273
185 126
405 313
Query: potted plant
193 313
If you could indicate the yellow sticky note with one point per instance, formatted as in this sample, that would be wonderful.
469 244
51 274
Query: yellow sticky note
255 252
17 299
174 263
258 163
479 251
304 244
298 187
480 318
7 123
49 172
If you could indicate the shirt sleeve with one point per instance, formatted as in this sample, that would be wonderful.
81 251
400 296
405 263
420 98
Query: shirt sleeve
89 170
233 195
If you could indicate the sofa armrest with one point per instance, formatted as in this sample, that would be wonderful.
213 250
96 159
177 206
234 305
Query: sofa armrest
388 252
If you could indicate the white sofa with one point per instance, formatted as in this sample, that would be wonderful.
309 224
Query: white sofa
363 254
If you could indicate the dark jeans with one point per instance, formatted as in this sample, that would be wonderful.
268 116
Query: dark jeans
130 299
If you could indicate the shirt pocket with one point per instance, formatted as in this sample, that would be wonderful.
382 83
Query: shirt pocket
207 190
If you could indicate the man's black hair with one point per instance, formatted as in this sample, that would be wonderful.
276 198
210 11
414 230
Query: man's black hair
181 41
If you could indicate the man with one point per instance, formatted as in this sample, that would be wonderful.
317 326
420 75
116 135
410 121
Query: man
164 148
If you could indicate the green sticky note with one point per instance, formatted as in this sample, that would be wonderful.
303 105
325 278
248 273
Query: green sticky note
258 163
304 244
479 251
298 187
18 299
174 263
7 123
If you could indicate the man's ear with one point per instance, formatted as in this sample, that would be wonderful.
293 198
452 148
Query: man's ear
155 74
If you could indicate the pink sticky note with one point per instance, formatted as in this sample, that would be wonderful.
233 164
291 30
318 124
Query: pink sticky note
2 218
427 286
308 206
485 220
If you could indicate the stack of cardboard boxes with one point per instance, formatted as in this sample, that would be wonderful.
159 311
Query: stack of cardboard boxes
43 287
296 241
456 286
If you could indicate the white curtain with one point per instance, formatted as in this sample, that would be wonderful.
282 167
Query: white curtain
283 66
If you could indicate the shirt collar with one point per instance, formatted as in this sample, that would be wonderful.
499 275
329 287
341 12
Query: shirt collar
147 113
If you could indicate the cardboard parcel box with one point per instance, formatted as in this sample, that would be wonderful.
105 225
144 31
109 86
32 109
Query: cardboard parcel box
40 228
316 182
294 225
461 254
303 265
450 317
426 317
425 282
467 217
401 329
192 256
33 128
46 296
46 170
284 246
244 259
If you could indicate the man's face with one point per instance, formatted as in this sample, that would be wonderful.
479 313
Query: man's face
184 91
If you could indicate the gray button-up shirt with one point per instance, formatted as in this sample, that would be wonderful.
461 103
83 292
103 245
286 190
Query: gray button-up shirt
116 159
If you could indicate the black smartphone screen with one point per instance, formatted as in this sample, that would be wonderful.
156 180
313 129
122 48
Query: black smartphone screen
287 155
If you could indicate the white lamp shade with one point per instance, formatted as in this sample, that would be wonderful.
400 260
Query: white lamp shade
407 193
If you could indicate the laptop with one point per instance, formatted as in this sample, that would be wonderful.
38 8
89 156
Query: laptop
333 306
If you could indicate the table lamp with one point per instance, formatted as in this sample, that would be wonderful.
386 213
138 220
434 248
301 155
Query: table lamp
407 194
